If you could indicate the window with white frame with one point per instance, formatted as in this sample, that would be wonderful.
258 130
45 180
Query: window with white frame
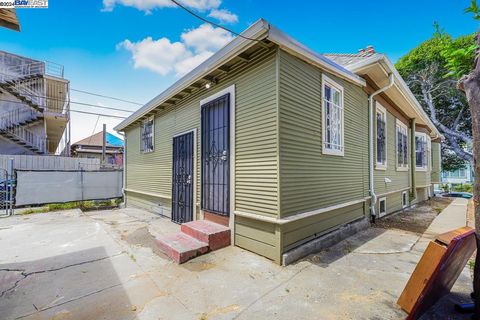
402 145
146 138
382 207
381 137
404 199
332 117
422 151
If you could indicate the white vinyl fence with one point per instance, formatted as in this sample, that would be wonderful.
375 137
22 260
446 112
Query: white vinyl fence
41 186
28 162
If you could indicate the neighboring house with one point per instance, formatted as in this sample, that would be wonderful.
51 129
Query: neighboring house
34 107
459 176
272 139
91 147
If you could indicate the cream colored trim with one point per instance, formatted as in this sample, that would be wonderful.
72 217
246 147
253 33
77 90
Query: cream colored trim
231 91
395 191
380 213
381 109
151 194
326 80
298 216
404 193
424 186
399 123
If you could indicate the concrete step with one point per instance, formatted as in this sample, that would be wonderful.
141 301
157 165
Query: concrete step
181 247
215 235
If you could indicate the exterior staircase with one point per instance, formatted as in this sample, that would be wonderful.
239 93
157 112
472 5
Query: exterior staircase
194 239
12 127
24 79
26 89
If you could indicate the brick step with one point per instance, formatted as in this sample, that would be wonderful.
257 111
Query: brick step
215 235
181 247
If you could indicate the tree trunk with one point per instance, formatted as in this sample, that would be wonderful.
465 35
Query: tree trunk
471 86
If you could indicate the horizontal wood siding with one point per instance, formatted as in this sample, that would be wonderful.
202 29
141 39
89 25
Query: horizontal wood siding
394 202
436 162
149 203
399 179
257 236
303 230
255 138
309 179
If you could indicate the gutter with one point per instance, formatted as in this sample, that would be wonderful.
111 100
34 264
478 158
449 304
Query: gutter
260 30
402 87
373 200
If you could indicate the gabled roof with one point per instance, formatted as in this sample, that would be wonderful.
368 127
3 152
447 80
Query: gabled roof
259 31
346 59
360 63
96 140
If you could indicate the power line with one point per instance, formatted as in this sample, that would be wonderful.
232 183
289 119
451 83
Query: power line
212 23
79 111
102 107
93 131
75 102
104 96
99 114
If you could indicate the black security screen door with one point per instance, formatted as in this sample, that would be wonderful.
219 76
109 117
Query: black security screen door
216 156
182 178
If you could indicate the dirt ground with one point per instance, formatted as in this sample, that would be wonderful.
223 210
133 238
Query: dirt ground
416 218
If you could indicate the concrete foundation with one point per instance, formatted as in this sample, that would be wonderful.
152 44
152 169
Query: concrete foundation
325 241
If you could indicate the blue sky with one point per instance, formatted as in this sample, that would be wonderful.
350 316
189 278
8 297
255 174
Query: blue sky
134 49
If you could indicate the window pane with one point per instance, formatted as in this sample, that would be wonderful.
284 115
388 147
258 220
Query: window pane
328 93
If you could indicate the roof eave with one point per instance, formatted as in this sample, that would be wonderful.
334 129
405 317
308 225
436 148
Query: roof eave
296 48
259 31
401 85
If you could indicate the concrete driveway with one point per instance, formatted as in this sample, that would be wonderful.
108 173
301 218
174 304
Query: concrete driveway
104 265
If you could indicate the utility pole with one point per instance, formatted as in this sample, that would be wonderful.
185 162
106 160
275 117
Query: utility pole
104 144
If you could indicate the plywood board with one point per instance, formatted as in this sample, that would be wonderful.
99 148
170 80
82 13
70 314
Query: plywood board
437 271
422 273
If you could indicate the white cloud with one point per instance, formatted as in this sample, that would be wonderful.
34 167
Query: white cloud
164 56
148 5
206 38
158 55
223 15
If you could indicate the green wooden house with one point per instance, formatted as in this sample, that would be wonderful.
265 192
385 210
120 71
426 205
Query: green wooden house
288 148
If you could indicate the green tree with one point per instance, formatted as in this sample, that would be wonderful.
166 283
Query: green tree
427 71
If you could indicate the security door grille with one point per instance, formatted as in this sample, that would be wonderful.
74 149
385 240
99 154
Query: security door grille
216 156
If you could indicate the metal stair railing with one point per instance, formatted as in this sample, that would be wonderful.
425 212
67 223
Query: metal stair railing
20 116
32 90
14 130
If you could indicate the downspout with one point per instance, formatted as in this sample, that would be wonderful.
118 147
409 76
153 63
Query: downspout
124 162
373 200
413 159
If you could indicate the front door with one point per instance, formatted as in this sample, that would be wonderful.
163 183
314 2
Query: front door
216 156
182 178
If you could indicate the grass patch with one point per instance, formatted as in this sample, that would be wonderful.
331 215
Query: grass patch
82 205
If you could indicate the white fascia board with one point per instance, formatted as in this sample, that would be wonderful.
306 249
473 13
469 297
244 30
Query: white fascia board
401 85
259 31
296 48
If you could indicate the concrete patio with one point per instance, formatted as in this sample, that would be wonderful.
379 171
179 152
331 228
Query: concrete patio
104 264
